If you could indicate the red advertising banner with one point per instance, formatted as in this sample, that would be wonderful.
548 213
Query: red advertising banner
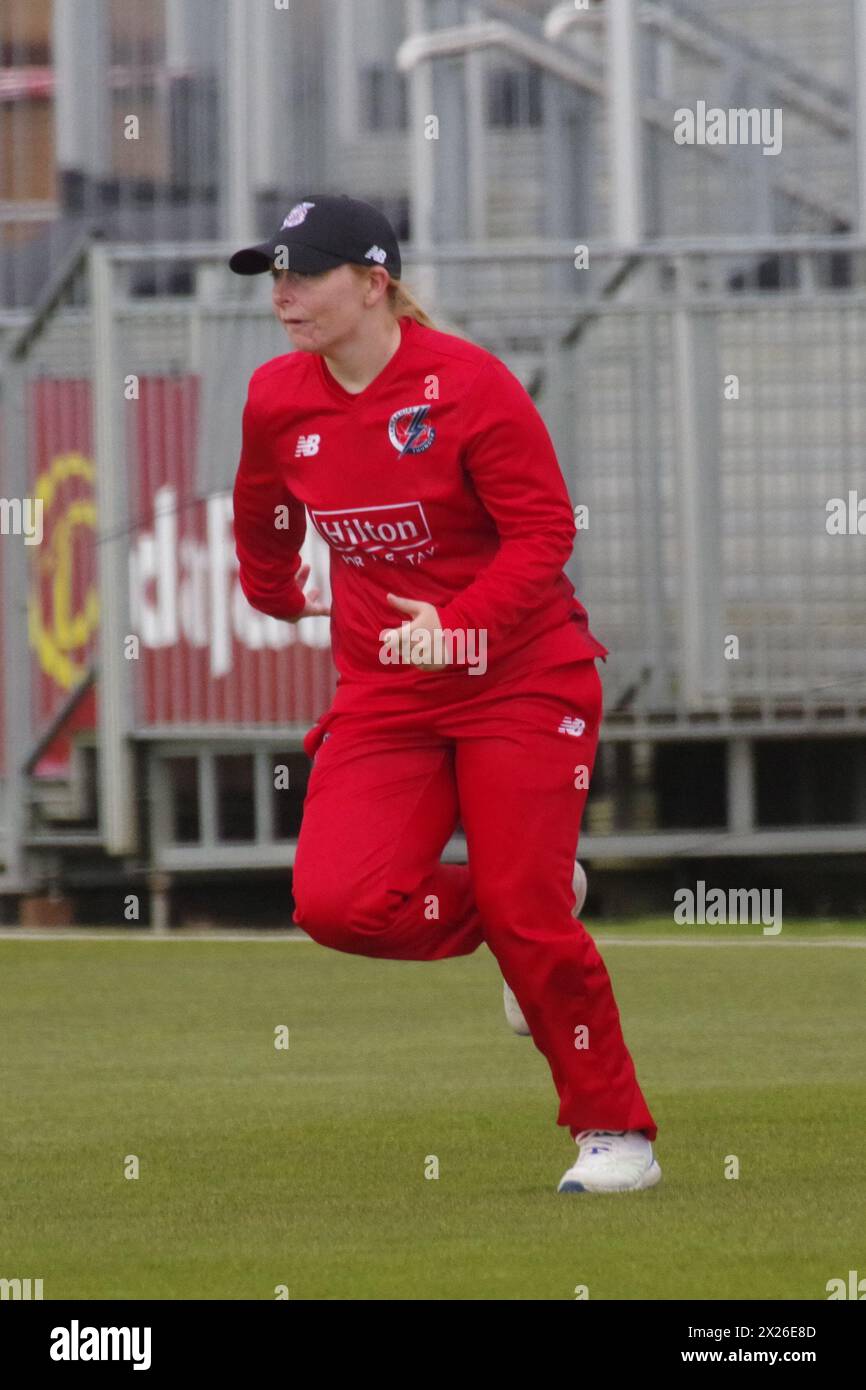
62 599
204 656
207 657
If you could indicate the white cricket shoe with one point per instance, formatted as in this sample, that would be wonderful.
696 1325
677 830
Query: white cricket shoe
513 1011
612 1161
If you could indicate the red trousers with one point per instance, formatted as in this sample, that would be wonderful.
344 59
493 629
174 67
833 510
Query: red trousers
511 761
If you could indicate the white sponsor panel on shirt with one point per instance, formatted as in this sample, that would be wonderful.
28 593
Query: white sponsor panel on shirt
395 526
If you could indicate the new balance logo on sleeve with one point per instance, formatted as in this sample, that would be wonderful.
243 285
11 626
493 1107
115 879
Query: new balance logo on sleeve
307 445
572 725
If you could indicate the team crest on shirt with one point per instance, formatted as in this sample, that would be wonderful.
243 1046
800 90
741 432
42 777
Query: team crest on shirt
409 431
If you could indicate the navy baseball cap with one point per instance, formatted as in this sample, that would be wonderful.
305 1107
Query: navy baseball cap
321 232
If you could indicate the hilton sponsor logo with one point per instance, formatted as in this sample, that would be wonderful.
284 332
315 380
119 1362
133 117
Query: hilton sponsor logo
399 526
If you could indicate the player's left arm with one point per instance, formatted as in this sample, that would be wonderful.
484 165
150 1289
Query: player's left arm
511 460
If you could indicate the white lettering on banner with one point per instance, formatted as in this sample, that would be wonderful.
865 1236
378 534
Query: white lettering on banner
185 589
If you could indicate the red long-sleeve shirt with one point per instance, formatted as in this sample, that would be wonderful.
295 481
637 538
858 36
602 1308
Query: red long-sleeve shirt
438 481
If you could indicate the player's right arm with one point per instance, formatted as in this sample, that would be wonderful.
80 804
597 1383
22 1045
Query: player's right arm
270 524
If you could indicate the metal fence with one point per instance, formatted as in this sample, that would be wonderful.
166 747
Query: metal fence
555 120
705 432
699 373
704 424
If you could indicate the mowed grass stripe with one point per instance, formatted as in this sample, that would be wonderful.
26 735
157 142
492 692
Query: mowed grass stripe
306 1167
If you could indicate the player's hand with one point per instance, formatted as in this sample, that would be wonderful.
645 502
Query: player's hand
312 608
423 617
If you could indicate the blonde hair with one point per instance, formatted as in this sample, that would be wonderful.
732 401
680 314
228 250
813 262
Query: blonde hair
404 305
401 300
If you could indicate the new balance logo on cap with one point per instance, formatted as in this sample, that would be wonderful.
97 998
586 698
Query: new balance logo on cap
572 725
376 253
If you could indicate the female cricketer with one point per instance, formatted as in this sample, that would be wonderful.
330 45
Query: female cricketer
467 688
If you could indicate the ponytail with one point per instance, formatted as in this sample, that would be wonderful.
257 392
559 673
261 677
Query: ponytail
401 300
404 305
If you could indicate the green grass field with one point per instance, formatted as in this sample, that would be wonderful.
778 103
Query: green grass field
305 1167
